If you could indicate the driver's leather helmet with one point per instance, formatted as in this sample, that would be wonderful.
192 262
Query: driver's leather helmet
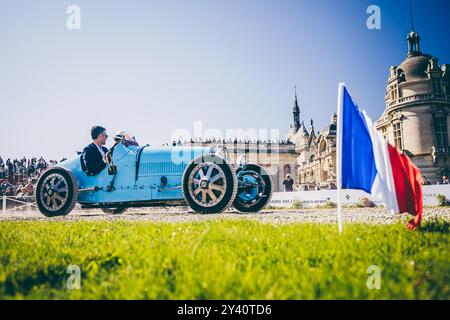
119 135
125 137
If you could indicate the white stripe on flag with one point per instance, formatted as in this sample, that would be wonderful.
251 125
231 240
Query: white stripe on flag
383 187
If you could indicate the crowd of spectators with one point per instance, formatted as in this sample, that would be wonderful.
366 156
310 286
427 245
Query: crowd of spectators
443 180
19 176
212 140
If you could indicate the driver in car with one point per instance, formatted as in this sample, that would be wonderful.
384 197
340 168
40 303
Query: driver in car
126 138
94 155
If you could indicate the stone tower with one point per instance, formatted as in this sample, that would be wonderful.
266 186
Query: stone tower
417 113
296 113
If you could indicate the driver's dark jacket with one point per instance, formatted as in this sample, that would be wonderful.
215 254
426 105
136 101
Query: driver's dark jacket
91 160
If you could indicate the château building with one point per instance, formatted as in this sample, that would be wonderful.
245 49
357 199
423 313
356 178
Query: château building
416 120
417 117
316 161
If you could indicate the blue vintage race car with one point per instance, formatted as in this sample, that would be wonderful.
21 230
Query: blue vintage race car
142 176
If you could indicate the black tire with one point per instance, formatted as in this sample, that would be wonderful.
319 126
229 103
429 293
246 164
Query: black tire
118 210
221 184
264 195
56 192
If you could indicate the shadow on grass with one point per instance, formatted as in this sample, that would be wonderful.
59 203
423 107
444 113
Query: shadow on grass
435 226
53 277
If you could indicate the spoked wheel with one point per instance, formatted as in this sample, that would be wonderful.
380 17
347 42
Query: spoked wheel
56 192
118 210
254 188
209 184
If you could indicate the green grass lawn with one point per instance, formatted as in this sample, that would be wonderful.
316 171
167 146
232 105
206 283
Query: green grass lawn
224 259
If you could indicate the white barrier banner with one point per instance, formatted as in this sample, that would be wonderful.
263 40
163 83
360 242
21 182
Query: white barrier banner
349 197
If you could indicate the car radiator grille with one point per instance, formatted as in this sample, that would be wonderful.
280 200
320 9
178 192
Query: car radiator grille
160 168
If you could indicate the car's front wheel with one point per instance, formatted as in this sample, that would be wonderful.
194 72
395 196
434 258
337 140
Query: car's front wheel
209 184
56 192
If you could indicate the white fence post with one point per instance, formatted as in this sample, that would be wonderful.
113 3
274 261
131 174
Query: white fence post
4 204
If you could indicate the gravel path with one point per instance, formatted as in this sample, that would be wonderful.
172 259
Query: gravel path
182 214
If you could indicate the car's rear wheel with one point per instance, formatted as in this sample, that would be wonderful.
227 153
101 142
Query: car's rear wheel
254 188
56 192
209 184
118 210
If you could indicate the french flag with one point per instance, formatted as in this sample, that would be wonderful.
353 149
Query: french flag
365 161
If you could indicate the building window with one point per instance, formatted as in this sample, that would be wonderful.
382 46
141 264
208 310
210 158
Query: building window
436 84
323 146
287 169
440 127
398 135
384 133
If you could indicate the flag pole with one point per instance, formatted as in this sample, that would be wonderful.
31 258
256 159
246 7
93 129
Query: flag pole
339 153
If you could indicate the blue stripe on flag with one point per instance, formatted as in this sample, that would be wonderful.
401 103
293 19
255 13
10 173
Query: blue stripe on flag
358 161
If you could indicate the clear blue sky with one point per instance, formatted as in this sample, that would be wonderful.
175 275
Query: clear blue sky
152 67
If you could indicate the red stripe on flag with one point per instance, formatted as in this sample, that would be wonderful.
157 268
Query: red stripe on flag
407 181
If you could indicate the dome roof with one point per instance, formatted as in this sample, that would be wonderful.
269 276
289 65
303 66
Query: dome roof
415 66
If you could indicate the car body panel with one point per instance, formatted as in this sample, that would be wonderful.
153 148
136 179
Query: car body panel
154 163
